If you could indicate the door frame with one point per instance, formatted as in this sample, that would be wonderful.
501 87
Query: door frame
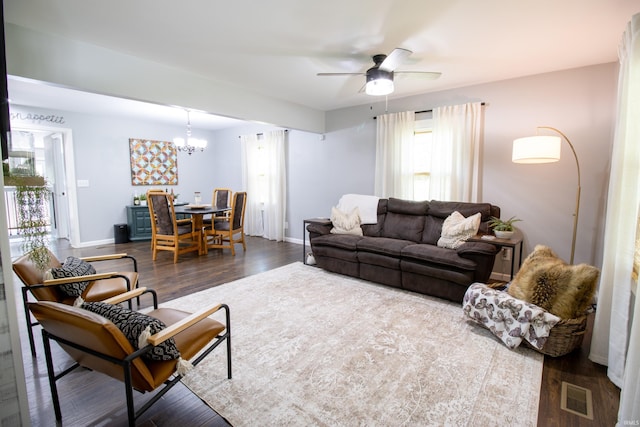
70 171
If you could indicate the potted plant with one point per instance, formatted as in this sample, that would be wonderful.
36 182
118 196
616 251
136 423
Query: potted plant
33 221
503 229
143 199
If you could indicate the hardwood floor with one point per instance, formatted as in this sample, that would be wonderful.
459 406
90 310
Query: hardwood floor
91 399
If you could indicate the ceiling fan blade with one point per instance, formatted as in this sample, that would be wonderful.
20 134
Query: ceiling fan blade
340 74
429 75
395 58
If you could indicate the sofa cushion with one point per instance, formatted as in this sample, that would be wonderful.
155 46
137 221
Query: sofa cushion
346 222
404 227
444 209
457 229
404 219
429 254
432 229
408 207
382 245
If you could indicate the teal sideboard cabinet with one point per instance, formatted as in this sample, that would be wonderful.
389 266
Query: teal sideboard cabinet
139 222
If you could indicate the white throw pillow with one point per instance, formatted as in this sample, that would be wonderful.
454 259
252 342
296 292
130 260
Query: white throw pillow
457 229
344 223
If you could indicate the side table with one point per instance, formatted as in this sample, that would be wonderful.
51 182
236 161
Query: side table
323 221
515 242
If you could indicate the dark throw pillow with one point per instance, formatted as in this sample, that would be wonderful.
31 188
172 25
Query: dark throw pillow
132 324
73 267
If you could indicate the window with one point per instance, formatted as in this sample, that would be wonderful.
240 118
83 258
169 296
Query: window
421 164
421 158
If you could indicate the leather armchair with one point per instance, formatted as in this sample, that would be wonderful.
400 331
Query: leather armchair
96 343
100 287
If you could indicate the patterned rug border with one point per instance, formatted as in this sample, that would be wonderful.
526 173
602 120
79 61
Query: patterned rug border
274 384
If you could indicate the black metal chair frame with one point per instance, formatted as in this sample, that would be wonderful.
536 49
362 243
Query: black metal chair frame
26 289
125 363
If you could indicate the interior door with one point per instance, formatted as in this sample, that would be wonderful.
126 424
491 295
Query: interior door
54 161
48 148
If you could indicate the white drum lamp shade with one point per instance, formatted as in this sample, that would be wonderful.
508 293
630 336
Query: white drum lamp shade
536 149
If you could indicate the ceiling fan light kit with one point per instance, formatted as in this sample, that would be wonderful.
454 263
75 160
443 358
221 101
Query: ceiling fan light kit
379 82
379 78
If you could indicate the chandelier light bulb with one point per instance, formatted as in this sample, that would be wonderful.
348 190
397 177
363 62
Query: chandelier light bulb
189 144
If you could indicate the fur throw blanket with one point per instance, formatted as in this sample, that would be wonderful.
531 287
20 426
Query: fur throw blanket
548 282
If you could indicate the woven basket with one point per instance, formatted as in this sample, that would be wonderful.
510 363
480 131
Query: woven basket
565 336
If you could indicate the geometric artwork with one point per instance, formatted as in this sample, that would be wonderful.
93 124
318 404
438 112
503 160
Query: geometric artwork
153 162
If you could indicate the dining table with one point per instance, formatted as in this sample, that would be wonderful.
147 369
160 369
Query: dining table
198 212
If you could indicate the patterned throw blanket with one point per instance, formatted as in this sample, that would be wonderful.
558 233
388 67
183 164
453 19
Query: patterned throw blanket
508 318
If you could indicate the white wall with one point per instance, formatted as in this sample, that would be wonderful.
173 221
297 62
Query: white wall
321 168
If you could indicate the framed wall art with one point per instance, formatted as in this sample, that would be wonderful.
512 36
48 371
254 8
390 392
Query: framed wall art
153 162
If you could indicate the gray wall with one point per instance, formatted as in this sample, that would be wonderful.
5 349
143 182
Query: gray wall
321 168
579 102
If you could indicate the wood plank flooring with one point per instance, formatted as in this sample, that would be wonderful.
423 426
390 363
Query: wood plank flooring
97 400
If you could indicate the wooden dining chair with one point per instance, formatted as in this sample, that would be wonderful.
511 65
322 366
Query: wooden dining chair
221 198
225 234
167 232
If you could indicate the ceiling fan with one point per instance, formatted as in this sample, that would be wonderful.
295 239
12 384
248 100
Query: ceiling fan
380 76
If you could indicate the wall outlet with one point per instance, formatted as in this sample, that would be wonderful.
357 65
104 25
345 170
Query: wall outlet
506 254
286 225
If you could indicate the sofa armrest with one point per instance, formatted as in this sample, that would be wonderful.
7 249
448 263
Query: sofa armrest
172 330
483 254
468 249
111 257
319 228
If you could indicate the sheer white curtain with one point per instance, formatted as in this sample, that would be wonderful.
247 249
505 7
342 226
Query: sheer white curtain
615 341
265 176
455 161
394 146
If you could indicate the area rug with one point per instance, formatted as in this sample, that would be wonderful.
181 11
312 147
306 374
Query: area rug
311 347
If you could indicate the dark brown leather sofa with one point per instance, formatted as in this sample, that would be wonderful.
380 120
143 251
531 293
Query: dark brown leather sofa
401 250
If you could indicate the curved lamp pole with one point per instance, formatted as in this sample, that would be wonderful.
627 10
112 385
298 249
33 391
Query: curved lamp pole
546 149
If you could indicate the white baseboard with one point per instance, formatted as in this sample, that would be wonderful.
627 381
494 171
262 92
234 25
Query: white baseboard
97 243
502 277
294 240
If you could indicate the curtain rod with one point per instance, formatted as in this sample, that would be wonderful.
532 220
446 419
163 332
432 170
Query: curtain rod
424 111
261 134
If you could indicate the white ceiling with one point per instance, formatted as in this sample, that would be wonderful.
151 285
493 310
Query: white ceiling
275 48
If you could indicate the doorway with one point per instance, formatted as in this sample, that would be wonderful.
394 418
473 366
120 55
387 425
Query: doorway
48 152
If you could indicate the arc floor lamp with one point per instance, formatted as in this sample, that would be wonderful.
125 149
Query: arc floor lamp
546 149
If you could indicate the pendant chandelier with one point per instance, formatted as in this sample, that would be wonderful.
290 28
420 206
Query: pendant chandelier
189 144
